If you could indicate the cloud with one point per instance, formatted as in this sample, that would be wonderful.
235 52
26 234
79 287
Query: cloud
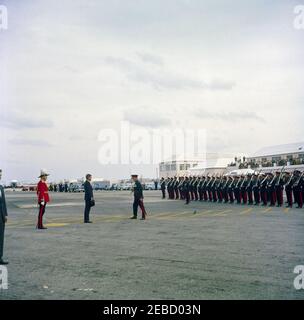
29 142
151 58
218 84
18 121
144 117
162 79
229 116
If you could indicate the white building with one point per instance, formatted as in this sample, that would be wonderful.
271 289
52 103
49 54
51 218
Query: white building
211 166
210 162
285 154
177 166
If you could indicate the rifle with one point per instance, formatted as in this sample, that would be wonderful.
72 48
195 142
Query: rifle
209 182
298 181
278 182
250 182
205 181
257 181
225 185
290 179
243 181
237 185
214 182
221 179
271 182
231 183
264 179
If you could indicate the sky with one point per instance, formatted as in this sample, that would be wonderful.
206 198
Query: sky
71 68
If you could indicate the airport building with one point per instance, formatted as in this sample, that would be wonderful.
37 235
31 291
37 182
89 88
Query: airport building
279 155
177 166
208 163
212 167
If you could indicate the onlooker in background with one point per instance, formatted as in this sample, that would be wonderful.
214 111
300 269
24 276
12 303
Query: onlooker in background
156 184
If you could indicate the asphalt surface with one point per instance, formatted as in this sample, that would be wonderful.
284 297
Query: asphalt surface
199 251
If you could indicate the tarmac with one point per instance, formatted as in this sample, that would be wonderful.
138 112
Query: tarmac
200 251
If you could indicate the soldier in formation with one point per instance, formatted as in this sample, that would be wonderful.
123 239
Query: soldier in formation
266 189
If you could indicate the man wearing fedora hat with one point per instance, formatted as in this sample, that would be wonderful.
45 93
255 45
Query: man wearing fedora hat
43 197
3 220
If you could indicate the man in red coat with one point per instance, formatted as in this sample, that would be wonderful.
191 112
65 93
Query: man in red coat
43 197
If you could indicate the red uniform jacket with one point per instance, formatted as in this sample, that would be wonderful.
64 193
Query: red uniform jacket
43 192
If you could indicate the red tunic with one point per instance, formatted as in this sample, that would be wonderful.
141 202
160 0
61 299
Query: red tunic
43 192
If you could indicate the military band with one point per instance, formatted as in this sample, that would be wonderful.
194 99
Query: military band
250 189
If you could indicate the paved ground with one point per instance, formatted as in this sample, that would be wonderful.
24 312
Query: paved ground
200 251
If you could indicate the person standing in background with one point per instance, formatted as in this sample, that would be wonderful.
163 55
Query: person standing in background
155 184
88 197
3 220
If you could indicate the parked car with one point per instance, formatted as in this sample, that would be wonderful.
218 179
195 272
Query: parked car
149 186
76 187
126 186
114 186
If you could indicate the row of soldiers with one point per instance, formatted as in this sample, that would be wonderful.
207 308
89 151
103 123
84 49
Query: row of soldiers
251 189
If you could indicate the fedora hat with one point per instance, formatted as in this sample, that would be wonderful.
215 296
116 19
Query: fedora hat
43 173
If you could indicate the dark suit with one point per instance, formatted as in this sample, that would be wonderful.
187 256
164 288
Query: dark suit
3 215
88 197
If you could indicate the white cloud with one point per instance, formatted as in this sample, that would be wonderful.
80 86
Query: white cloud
145 117
30 142
162 79
20 121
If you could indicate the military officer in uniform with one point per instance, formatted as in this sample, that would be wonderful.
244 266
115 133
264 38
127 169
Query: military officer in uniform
3 220
163 187
289 181
186 190
175 188
279 188
199 188
249 189
170 189
298 189
180 188
224 189
263 189
243 188
209 188
214 189
256 183
138 198
230 189
237 190
272 189
43 197
219 190
88 198
204 188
